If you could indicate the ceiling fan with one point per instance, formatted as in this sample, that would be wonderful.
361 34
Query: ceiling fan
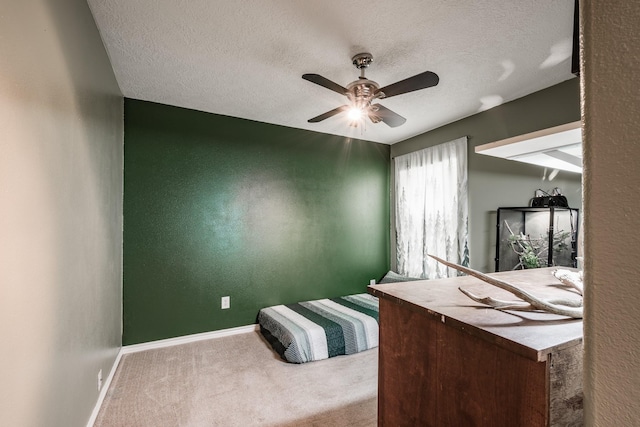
362 92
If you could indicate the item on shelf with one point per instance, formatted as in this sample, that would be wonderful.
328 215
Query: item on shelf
543 199
534 237
547 201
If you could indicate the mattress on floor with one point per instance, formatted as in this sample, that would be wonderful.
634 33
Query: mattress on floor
319 329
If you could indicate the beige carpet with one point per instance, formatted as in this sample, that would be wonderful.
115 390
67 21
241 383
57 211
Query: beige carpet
239 381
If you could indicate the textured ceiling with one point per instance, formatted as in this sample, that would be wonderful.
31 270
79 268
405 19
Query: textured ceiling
246 58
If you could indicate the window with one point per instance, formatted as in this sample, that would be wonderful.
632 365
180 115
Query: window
432 210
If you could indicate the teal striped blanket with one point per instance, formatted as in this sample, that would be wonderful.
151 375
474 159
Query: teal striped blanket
316 330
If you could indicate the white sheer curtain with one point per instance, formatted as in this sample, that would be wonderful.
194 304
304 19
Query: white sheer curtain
432 209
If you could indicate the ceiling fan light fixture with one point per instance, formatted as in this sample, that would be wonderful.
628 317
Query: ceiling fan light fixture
355 113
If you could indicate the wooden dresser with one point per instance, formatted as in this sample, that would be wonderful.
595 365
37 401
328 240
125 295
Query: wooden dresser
446 360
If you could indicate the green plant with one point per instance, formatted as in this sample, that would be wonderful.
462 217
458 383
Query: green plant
532 251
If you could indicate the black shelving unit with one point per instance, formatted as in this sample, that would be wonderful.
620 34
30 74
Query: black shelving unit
523 233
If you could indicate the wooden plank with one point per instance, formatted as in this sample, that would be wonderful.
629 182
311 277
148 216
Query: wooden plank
565 387
531 334
407 370
481 384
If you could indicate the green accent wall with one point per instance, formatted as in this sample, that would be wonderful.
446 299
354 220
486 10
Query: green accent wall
217 206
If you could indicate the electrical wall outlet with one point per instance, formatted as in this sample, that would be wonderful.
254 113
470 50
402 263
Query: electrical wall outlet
225 302
100 380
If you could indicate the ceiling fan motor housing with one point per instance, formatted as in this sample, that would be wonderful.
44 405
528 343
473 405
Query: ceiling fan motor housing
361 92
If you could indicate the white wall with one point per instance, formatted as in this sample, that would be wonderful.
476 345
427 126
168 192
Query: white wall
611 114
61 157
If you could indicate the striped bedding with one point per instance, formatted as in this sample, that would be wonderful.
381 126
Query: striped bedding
316 330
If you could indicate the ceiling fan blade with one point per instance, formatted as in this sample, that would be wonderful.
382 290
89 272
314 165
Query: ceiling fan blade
328 114
390 118
417 82
324 82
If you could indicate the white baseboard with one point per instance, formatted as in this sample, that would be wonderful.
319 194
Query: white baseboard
161 344
103 390
189 338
